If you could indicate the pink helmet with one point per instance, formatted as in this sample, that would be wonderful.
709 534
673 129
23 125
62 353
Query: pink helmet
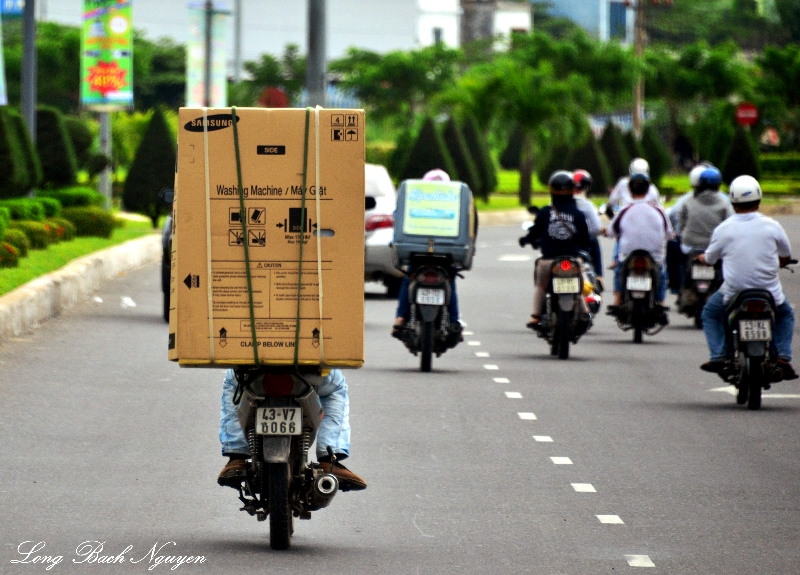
436 176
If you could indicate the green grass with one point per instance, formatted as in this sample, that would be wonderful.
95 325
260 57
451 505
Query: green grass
40 262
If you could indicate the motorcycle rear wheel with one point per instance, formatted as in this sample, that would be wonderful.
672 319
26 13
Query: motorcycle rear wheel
562 335
755 375
637 320
280 513
427 347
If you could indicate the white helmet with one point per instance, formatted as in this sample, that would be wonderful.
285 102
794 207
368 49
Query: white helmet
639 166
745 189
694 175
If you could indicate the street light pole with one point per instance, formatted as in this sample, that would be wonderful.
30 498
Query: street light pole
315 66
237 44
208 54
29 67
638 88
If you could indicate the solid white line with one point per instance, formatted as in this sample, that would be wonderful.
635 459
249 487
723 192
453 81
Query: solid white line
513 395
610 519
501 380
584 487
543 438
481 354
639 561
561 460
473 343
780 395
514 258
489 366
526 415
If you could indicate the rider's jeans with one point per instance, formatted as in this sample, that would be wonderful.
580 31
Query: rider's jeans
714 328
404 304
334 431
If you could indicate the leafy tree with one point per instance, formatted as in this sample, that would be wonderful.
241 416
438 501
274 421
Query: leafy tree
397 84
270 73
789 11
159 73
742 158
462 159
59 163
152 169
428 152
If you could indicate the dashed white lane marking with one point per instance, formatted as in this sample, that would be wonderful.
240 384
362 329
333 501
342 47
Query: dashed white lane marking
490 366
727 389
481 354
526 415
467 333
543 438
610 519
501 380
513 395
639 561
473 343
561 460
584 487
514 258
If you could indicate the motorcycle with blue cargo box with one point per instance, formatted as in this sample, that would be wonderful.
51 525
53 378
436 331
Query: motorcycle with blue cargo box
434 239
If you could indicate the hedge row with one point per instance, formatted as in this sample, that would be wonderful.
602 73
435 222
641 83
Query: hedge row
780 164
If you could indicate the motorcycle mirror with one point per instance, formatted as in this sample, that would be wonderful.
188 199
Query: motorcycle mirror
370 203
167 195
533 210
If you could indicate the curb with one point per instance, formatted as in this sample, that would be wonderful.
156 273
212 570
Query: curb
23 309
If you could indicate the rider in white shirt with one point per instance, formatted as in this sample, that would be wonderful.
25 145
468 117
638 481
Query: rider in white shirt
621 195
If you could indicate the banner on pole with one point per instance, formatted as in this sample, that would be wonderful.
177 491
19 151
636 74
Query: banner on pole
107 55
3 93
196 57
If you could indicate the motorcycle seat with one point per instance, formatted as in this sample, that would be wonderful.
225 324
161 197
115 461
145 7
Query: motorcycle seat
748 294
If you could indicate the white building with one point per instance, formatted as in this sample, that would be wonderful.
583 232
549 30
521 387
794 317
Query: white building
604 19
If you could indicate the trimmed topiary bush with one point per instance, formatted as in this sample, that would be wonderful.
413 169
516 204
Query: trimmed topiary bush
742 159
632 145
509 158
18 239
379 152
5 217
90 221
81 137
14 177
428 153
481 156
152 170
24 209
615 152
66 229
590 157
558 160
656 154
75 197
9 257
38 233
32 162
52 207
59 163
462 159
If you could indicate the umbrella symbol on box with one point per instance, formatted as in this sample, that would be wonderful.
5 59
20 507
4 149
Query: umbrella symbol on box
223 337
315 338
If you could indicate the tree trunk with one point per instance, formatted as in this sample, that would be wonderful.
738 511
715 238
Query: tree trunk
526 165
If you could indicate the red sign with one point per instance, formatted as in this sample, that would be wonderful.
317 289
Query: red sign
106 77
746 114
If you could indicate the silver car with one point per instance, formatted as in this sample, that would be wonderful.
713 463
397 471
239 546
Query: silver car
380 204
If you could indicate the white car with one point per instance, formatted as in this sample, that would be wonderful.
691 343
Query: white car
380 204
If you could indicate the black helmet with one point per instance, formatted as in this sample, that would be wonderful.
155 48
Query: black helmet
561 181
639 184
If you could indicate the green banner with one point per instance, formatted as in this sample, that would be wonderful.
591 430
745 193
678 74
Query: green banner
432 209
107 55
3 93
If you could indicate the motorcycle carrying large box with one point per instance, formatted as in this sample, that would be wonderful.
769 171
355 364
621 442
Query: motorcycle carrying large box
434 218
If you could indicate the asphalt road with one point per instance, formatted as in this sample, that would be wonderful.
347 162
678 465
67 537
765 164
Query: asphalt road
634 458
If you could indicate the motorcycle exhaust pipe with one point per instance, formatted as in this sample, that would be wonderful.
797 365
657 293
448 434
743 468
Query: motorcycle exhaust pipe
322 492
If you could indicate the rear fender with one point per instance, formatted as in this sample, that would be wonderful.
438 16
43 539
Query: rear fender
428 312
566 303
276 448
756 348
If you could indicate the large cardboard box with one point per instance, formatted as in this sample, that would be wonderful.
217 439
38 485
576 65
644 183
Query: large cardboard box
210 318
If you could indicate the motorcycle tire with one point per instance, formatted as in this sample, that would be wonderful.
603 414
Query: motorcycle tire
280 513
755 376
427 347
637 320
562 336
743 391
554 341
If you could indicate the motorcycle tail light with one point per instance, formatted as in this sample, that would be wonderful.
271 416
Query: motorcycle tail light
431 277
639 265
278 385
379 221
755 306
566 265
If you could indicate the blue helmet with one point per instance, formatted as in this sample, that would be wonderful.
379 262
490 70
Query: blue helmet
710 179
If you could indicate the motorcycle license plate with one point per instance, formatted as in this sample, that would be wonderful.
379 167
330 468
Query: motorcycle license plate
702 273
566 285
755 330
279 421
639 283
427 296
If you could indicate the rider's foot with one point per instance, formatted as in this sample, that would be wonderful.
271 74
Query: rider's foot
348 481
535 323
233 472
612 310
599 287
788 371
713 366
398 327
